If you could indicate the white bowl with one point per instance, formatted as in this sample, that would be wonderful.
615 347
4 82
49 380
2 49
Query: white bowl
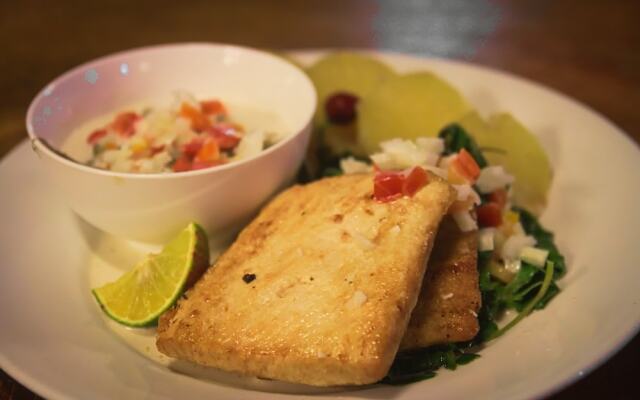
153 207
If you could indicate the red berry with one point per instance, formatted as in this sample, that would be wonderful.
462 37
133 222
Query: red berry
341 108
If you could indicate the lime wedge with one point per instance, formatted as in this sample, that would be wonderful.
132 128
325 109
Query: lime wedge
139 296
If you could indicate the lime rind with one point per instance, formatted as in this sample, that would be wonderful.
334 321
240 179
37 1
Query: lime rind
120 300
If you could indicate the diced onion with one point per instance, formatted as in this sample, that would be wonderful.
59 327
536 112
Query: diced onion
430 144
384 161
485 239
514 244
534 256
466 191
350 165
465 221
250 145
398 154
442 173
493 178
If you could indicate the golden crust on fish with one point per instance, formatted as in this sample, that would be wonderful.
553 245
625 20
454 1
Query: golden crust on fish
336 277
449 300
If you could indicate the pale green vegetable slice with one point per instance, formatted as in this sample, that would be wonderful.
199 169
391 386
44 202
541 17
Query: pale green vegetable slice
408 106
348 72
139 296
507 142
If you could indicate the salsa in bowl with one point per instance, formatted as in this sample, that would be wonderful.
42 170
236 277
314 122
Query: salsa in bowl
187 135
264 95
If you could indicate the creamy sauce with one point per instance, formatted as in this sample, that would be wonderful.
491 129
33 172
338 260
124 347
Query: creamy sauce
252 118
111 257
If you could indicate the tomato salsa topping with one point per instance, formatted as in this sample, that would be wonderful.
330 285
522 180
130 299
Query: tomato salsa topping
391 185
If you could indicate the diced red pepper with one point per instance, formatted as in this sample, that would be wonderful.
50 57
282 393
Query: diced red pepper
465 165
124 123
489 215
199 121
499 197
96 136
416 179
212 107
208 152
192 148
227 135
182 164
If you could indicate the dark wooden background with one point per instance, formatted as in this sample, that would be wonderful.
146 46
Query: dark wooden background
587 49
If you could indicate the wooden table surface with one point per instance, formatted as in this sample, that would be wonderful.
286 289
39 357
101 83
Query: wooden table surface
587 49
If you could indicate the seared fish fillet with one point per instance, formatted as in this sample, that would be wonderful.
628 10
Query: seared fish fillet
449 300
318 289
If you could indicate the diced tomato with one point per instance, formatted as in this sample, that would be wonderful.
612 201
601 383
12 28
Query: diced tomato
182 164
124 123
489 215
212 107
192 148
499 197
227 135
416 179
96 136
208 152
469 164
205 164
199 121
465 166
389 185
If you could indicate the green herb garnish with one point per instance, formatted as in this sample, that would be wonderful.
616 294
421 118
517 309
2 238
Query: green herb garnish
546 284
456 138
544 240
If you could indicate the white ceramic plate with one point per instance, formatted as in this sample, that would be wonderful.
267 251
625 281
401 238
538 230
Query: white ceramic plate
53 339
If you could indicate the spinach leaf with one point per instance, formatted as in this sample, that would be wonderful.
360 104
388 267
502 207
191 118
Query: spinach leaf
531 305
544 240
456 138
420 364
519 292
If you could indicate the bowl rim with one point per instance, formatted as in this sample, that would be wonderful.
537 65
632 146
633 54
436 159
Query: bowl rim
38 146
